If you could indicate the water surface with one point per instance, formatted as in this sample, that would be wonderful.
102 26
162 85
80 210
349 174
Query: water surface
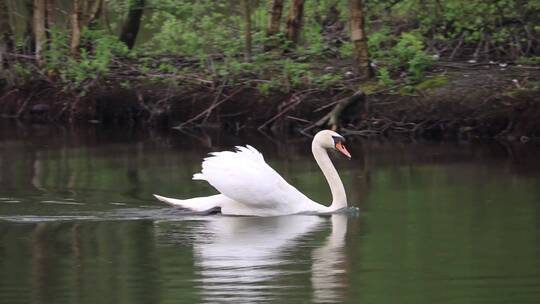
438 223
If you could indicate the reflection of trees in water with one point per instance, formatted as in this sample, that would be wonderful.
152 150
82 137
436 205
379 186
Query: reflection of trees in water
112 172
132 173
67 262
41 269
37 172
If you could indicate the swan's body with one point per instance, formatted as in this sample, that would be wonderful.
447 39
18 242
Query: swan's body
249 186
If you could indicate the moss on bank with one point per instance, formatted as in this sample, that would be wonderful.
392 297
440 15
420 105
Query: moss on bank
432 83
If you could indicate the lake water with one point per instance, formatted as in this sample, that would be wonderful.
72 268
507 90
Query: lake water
438 223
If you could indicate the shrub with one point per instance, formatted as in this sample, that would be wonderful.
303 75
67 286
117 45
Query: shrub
96 55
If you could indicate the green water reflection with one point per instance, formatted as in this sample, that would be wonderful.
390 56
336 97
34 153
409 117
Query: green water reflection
439 223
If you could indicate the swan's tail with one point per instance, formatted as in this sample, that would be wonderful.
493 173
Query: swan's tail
197 204
199 176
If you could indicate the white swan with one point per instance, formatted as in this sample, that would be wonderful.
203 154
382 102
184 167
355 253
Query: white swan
249 186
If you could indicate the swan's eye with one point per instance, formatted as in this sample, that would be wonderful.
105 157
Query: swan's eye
338 144
338 139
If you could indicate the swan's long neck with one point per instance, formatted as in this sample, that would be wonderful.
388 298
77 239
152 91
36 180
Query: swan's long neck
339 198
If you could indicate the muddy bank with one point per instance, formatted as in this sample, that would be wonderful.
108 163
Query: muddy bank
456 100
463 101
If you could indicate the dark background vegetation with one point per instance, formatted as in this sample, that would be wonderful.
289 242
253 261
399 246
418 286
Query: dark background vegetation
372 67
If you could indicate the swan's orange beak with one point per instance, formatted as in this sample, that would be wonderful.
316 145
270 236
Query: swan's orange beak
341 148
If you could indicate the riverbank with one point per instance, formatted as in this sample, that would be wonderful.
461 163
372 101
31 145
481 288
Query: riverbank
455 100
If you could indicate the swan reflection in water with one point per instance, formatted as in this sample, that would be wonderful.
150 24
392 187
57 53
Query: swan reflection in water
251 259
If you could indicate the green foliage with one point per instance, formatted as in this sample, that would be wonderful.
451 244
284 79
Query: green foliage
533 60
314 39
313 43
407 90
380 41
55 56
125 84
417 65
206 38
409 53
326 81
383 75
194 28
406 53
508 24
22 72
97 52
346 50
166 67
204 28
294 73
264 88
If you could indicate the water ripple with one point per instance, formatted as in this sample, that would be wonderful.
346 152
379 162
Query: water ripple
62 203
157 214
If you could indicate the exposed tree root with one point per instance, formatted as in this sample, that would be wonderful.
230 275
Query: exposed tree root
333 118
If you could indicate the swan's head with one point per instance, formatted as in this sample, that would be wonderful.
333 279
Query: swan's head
331 140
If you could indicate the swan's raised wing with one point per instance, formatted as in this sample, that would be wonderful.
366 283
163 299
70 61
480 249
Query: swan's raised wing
245 177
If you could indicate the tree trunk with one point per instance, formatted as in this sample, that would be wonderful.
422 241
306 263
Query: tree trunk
75 28
294 20
91 12
133 22
247 19
274 20
6 36
85 13
274 17
39 29
29 44
359 38
51 13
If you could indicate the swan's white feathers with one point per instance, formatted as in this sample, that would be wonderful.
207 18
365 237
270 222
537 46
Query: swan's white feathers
246 178
249 186
198 176
197 204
